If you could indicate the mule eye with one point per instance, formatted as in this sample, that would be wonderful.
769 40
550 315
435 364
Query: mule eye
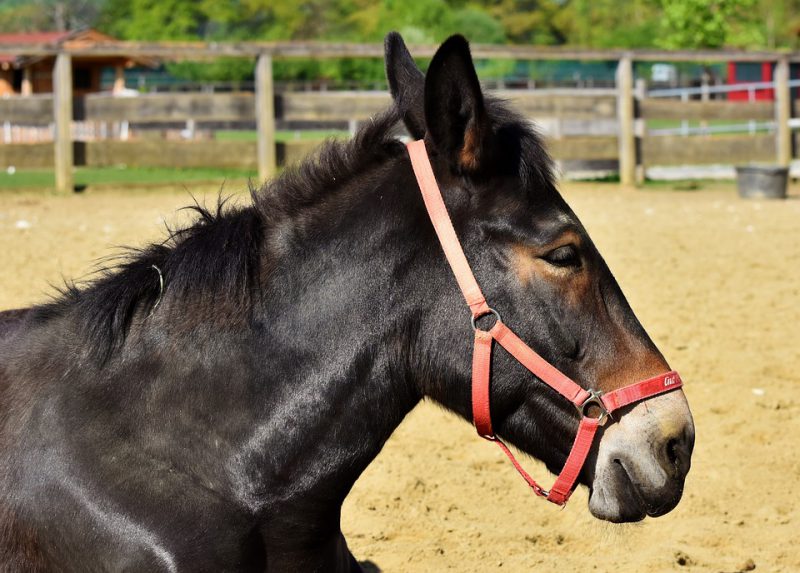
566 256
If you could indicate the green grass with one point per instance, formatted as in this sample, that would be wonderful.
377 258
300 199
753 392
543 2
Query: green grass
687 185
126 176
612 180
154 177
119 176
283 135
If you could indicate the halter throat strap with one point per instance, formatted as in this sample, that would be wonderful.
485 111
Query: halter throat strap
581 398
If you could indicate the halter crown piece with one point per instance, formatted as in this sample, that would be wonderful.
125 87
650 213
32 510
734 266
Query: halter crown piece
481 359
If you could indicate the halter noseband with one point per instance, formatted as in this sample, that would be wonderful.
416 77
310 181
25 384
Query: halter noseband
481 359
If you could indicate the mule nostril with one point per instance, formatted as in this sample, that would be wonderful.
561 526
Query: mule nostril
678 452
672 451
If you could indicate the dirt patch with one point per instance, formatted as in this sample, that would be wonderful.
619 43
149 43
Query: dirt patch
715 280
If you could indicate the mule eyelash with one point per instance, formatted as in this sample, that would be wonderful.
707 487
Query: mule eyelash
566 256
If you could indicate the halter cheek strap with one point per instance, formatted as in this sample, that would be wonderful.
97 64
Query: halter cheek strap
581 398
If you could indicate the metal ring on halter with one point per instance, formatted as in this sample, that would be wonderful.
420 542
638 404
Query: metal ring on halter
490 311
594 399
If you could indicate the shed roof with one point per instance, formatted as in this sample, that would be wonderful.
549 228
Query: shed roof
79 37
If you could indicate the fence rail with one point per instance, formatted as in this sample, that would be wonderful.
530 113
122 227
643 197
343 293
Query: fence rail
705 110
710 90
204 50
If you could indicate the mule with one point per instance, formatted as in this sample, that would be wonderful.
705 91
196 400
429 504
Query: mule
207 403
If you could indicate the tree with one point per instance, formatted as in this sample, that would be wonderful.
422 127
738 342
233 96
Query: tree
57 15
696 24
529 21
609 23
587 23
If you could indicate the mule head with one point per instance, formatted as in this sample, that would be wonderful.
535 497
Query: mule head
540 270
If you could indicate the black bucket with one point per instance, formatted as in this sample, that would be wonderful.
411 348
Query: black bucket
762 181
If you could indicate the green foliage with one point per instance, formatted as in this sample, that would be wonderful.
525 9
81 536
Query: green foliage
609 23
529 21
37 15
586 23
153 19
709 24
24 18
219 70
478 26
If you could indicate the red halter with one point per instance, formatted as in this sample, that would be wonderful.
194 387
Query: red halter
549 374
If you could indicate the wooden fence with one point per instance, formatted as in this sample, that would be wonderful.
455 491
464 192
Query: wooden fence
580 124
584 109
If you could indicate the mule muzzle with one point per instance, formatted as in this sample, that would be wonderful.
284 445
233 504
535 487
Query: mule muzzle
643 460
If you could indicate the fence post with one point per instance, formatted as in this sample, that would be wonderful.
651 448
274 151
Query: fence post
625 115
783 112
640 128
265 117
62 113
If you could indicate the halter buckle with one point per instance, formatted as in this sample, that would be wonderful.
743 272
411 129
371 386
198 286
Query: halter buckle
594 399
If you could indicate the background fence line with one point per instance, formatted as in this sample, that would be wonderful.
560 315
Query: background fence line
628 124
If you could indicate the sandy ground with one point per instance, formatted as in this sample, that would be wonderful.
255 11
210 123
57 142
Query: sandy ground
714 279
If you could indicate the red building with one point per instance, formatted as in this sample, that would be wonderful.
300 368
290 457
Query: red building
753 72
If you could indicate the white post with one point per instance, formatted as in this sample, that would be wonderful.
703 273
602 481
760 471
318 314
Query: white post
119 79
26 88
684 123
705 95
190 131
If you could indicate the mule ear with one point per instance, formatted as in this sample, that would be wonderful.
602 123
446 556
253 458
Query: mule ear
454 110
406 83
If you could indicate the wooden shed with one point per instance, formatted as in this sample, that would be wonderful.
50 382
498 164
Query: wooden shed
25 75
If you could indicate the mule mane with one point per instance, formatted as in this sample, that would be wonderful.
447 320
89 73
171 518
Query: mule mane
217 259
299 192
214 259
220 261
521 149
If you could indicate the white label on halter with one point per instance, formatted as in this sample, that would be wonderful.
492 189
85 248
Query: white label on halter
670 381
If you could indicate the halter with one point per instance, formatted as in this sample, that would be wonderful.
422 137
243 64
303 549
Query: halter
481 359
